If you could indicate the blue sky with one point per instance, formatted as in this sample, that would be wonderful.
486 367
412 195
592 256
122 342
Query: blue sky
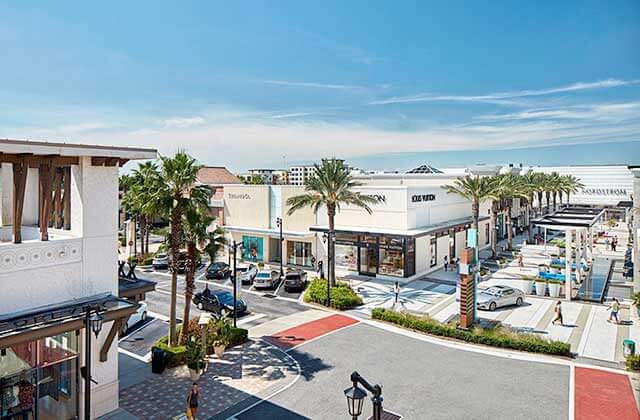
248 84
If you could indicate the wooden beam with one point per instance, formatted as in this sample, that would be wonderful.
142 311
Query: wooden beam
98 161
113 332
57 198
66 198
34 160
20 169
46 180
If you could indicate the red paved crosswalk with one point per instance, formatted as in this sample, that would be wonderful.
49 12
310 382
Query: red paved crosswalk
603 395
302 333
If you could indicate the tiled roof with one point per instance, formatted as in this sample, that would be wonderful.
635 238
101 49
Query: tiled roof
217 175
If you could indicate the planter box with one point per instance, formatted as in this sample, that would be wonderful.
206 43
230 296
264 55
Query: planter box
540 288
554 289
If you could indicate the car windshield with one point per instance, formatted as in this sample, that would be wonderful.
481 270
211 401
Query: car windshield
264 275
242 269
293 276
161 256
493 291
226 298
216 266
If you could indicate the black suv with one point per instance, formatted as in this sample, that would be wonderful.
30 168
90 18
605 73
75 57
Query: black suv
218 301
218 270
295 280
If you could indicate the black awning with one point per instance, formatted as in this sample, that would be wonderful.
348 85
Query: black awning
130 287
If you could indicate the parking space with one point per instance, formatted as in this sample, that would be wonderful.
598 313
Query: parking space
142 336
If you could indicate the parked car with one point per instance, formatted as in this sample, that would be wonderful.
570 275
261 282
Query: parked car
160 261
266 279
217 270
497 296
295 281
246 273
140 315
218 301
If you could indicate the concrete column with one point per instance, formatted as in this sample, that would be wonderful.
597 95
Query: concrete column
567 258
636 229
579 247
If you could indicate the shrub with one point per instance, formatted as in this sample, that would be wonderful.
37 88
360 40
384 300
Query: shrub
194 354
342 296
238 336
633 362
174 356
496 337
636 298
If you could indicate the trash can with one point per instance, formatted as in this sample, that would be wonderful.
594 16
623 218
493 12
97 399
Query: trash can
157 360
628 348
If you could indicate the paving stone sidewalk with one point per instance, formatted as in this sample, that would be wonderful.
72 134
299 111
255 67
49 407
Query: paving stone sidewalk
254 369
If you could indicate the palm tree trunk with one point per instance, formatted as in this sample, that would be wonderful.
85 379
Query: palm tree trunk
176 215
190 268
555 206
509 228
331 211
529 210
143 228
548 195
492 229
540 204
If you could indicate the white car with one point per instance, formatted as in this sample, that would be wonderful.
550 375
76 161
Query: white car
266 280
161 261
140 315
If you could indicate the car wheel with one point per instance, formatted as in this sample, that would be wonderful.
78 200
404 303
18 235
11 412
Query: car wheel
519 301
143 317
492 306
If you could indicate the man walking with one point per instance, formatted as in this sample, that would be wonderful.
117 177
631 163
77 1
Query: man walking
615 308
396 291
558 311
446 263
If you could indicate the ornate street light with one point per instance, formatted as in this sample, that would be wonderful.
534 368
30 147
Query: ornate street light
96 323
355 397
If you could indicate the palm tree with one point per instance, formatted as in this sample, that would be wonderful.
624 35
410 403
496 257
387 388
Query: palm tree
570 184
476 189
143 183
177 190
330 186
555 186
510 187
197 239
529 187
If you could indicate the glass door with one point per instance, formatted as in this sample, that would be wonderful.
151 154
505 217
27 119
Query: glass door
369 259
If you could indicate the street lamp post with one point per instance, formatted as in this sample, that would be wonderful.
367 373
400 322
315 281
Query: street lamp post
235 286
326 237
279 223
355 397
91 323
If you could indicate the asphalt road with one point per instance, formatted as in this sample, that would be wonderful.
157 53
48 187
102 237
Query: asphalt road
420 380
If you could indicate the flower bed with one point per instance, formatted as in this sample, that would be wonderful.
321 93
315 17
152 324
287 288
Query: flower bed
496 337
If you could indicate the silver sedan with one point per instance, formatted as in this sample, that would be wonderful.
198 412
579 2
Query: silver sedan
497 296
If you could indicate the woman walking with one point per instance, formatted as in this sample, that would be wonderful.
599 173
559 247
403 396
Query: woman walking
396 291
615 308
558 311
192 401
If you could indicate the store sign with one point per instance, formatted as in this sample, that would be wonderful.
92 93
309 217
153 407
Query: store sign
604 191
239 196
381 198
419 198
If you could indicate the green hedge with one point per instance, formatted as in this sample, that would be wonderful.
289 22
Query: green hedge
174 356
238 336
633 362
342 296
497 337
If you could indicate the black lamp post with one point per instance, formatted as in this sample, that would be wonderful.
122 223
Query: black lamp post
91 323
355 397
279 223
326 237
235 246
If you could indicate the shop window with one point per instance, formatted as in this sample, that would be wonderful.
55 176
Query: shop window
347 256
391 241
346 238
275 250
410 258
433 247
391 262
252 248
299 253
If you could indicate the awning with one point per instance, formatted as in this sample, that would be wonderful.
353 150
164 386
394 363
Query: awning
46 321
570 218
415 232
132 288
269 232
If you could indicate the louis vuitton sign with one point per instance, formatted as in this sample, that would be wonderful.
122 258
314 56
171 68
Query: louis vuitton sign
419 198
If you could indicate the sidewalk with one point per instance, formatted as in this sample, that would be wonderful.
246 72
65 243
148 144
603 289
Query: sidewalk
252 370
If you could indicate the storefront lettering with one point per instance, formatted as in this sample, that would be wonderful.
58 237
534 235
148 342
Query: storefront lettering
604 191
239 196
419 198
380 198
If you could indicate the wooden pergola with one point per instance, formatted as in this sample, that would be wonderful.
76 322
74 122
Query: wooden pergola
54 198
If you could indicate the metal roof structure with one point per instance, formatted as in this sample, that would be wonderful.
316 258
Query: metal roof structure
425 169
570 218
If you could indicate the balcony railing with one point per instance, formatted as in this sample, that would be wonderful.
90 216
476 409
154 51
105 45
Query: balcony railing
32 253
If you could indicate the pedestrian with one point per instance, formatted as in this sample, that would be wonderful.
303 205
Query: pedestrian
396 290
607 244
520 262
321 269
446 263
558 311
615 308
614 243
192 401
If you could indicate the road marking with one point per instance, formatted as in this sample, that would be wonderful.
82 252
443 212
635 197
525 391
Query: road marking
273 394
158 316
250 318
572 391
146 358
320 336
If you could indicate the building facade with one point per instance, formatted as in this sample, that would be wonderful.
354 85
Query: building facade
298 175
58 260
217 177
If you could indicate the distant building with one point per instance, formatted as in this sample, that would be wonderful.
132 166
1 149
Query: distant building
217 177
269 176
298 175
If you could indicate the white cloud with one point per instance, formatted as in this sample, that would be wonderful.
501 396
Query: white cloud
183 122
504 97
596 112
310 84
291 115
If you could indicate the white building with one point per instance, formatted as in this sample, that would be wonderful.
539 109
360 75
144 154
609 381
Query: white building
58 258
298 175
